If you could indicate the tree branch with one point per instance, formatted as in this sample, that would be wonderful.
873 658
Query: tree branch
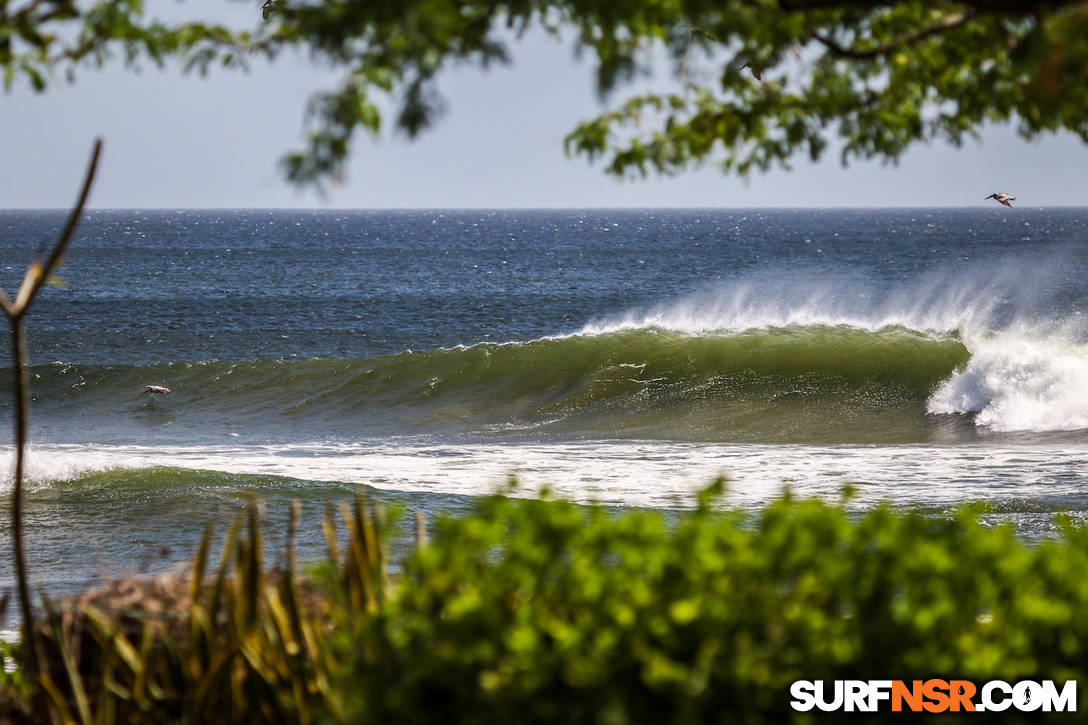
943 25
989 7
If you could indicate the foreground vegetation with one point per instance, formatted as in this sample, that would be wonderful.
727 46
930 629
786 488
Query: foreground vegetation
540 611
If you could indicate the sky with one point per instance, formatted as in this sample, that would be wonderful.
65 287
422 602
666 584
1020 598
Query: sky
174 141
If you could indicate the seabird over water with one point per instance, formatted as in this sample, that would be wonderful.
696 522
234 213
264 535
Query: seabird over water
157 389
1002 198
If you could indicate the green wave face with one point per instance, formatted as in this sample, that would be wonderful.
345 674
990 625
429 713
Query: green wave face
801 384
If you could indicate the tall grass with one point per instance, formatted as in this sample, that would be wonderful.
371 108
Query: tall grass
233 641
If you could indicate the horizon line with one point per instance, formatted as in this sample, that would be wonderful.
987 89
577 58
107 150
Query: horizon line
522 208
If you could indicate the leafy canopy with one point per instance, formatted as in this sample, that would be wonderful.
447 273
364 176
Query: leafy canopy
760 81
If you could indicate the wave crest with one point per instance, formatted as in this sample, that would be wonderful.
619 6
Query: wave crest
790 383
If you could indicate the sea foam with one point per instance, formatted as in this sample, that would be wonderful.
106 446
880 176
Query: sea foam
628 473
50 463
1019 381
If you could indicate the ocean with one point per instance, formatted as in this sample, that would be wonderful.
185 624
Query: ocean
928 358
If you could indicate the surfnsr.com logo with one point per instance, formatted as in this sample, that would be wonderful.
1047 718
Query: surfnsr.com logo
932 696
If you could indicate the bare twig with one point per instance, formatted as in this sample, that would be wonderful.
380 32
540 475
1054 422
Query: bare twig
421 530
292 528
35 277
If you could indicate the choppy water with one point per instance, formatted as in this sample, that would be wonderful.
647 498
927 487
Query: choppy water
932 357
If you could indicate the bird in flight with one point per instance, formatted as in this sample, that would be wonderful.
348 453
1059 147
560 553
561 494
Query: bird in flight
1001 198
158 389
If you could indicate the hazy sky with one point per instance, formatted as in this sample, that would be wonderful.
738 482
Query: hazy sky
183 141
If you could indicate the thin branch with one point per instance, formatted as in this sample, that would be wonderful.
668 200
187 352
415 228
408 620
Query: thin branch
989 7
943 25
16 312
34 656
38 273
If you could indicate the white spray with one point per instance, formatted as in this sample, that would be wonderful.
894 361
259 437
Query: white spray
1029 354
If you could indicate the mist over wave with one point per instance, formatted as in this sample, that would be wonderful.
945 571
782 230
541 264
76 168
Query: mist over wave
1026 367
979 299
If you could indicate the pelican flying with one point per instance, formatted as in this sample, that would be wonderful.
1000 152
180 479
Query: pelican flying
1002 198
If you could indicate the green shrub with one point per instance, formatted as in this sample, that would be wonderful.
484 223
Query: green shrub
533 611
